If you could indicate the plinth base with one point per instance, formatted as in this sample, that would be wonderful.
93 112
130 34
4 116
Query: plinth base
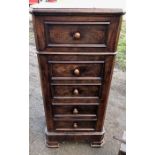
96 139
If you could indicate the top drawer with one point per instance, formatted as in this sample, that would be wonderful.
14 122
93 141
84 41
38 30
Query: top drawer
76 33
84 33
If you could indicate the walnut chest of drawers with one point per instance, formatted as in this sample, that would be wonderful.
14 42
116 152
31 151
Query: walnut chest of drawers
76 53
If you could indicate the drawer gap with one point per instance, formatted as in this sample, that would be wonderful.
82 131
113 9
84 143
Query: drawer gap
76 78
74 119
70 104
79 23
74 62
68 97
75 84
71 129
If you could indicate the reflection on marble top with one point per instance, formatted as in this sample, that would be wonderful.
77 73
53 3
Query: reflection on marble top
109 4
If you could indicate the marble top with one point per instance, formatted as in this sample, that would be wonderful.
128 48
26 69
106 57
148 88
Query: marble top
103 4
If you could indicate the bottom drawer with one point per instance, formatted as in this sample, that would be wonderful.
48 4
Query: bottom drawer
75 125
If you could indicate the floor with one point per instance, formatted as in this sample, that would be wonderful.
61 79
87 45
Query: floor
115 122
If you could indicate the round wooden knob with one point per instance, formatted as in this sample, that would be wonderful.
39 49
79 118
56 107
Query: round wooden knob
75 125
77 35
75 111
77 72
75 92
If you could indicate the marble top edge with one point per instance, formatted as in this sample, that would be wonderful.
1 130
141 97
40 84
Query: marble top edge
104 4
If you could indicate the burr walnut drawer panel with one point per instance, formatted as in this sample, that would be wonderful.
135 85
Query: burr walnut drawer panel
74 125
74 110
75 90
68 33
76 68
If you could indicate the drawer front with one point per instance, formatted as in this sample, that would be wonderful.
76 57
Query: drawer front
75 91
76 33
85 33
75 125
76 69
74 110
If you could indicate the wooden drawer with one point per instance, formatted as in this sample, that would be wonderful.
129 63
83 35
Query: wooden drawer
76 68
81 33
57 33
74 110
75 90
75 125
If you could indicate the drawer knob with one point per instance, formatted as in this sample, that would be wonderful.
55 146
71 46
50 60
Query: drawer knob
77 72
75 92
75 111
77 35
75 125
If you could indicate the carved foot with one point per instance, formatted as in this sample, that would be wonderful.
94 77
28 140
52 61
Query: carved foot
52 144
98 143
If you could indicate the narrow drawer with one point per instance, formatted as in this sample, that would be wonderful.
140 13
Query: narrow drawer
76 68
75 90
74 110
74 125
73 33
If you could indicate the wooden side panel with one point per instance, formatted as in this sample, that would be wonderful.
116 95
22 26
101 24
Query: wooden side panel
46 91
108 71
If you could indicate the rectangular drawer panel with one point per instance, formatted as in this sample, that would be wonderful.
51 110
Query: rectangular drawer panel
76 69
76 33
75 125
75 90
75 110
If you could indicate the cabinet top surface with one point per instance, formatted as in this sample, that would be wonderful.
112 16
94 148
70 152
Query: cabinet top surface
96 6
